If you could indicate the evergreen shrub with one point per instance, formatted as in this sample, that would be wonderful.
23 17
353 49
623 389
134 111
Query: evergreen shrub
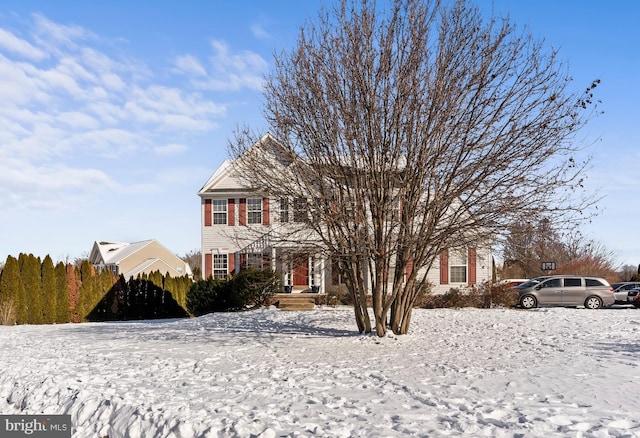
255 287
203 295
249 289
136 299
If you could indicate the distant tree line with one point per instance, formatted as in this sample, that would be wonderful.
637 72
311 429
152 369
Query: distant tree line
35 291
528 244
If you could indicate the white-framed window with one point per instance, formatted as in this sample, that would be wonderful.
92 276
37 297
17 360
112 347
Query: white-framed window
300 213
219 209
255 260
284 210
458 266
254 211
219 262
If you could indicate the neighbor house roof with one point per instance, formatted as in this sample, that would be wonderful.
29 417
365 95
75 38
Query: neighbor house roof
136 258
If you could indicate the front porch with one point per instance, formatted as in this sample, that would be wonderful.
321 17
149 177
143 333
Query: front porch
301 270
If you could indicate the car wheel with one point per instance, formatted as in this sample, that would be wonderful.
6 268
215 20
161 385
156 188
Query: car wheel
593 302
528 302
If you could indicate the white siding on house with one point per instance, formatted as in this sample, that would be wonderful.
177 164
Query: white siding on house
225 239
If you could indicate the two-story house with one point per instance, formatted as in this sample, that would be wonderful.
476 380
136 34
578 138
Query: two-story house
235 224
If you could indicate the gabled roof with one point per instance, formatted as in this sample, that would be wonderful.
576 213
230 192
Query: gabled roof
151 262
266 143
114 252
219 174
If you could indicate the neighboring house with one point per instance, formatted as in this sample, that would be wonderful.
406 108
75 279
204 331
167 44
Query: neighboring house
231 217
132 259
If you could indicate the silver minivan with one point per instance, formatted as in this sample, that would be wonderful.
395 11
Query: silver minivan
565 290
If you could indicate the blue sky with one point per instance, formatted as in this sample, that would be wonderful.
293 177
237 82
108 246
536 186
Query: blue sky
114 114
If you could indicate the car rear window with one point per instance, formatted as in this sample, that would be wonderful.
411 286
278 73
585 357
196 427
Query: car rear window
591 282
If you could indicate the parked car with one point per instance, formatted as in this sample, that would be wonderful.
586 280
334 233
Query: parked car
620 290
633 297
565 290
530 283
511 282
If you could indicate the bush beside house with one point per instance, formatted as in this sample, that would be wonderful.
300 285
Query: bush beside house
249 289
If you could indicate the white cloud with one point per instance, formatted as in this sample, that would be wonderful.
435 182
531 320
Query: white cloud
74 68
244 69
170 149
97 61
242 62
259 31
171 108
51 34
12 43
113 82
55 81
108 112
228 71
96 94
190 64
78 120
111 142
19 87
67 117
59 187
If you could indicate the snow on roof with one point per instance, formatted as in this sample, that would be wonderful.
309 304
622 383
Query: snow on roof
114 252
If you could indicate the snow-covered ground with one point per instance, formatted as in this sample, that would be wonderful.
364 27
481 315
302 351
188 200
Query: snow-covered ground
268 373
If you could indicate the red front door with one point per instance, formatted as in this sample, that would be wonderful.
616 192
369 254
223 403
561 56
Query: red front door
301 271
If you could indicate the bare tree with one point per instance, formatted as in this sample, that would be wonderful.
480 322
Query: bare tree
527 246
194 259
408 130
627 271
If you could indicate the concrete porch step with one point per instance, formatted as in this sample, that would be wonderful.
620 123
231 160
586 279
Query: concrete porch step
296 306
294 301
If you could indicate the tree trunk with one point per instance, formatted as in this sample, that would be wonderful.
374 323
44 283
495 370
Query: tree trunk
356 285
378 312
402 307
